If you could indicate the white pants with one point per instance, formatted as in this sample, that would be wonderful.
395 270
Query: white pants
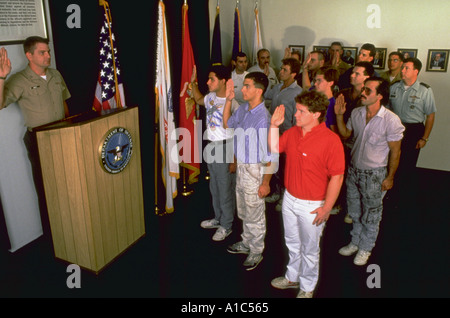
302 240
250 207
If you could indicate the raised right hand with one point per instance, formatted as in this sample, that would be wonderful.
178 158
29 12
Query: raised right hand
194 74
306 62
339 106
278 116
5 63
229 93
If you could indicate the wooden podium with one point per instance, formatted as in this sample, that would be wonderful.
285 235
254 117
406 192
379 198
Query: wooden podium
94 194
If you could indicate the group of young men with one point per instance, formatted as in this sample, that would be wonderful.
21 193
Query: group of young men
324 120
296 137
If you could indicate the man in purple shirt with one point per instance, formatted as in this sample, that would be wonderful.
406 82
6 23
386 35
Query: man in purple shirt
250 123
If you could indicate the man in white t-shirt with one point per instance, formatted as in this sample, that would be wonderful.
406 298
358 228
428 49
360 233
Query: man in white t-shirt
219 153
240 63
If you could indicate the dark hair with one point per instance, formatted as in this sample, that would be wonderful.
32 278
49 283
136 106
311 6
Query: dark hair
400 55
416 62
293 63
29 45
259 79
368 68
221 71
262 50
238 54
369 47
315 101
330 74
382 88
337 43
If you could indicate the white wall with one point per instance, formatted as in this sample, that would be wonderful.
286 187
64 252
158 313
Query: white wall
415 24
17 191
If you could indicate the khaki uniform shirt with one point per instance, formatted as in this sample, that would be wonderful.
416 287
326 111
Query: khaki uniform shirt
342 67
40 100
385 75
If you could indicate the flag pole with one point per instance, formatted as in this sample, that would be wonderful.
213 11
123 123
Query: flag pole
185 192
156 150
158 212
156 156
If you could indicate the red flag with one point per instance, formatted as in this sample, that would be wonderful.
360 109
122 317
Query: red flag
189 146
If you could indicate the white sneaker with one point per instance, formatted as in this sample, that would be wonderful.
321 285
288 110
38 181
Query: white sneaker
348 250
283 283
361 257
252 261
238 248
210 224
221 234
303 294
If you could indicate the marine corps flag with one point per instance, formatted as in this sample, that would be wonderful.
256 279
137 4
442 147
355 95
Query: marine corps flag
164 113
109 92
189 147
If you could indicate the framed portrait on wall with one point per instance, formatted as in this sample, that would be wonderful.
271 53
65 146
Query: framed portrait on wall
19 20
349 55
298 49
379 60
408 52
323 49
437 60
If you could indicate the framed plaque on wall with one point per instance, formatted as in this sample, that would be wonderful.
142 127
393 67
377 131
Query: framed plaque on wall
21 19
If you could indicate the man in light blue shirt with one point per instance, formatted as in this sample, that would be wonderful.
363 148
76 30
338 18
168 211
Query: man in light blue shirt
413 101
250 122
283 93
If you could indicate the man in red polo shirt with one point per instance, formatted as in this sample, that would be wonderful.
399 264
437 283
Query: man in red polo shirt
314 172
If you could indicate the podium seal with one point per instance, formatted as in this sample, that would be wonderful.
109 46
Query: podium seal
116 150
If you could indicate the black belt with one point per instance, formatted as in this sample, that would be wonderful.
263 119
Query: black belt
412 124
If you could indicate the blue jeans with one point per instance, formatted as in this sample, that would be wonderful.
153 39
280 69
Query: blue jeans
365 204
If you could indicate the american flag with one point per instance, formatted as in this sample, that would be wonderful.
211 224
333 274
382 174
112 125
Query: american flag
109 92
